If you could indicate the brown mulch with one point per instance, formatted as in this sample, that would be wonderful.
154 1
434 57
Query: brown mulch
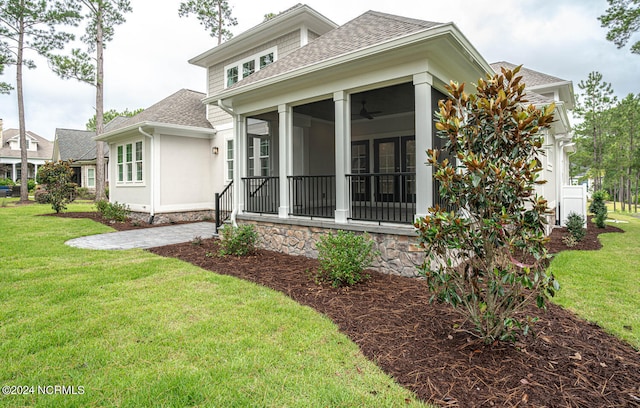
127 225
426 346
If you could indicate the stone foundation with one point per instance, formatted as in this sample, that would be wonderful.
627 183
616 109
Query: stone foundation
169 218
399 252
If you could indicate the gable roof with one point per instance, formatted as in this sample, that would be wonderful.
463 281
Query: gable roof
183 108
44 150
283 23
367 30
77 145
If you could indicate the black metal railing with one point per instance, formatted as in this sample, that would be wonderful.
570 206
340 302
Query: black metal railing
312 196
439 200
261 194
383 197
224 205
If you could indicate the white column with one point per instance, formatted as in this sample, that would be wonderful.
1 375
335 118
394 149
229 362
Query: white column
343 155
424 141
239 161
13 172
285 149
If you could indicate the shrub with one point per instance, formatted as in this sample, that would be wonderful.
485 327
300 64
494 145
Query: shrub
598 207
569 240
56 180
488 259
31 184
113 211
238 241
84 194
575 226
344 256
6 182
41 196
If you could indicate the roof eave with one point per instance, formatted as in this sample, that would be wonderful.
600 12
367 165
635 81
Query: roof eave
157 126
430 33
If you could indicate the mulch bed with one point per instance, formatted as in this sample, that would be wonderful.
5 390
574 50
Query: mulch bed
427 348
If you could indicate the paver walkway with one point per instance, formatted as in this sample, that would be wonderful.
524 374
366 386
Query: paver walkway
145 237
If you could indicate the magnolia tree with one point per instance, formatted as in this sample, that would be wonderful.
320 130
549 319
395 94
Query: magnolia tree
487 256
56 178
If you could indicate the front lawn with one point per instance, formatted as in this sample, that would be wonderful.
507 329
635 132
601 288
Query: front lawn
129 328
604 286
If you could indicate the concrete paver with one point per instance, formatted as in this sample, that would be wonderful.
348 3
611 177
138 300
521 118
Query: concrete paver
145 237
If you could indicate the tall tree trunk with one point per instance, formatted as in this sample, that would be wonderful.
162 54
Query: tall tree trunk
614 198
100 176
24 163
636 198
621 193
219 22
629 188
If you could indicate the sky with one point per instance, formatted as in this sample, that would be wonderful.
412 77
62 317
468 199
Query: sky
147 60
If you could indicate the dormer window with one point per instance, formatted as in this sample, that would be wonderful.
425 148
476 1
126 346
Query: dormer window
243 68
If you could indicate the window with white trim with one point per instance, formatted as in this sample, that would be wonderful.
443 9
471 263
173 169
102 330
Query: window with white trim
229 161
241 69
129 162
91 177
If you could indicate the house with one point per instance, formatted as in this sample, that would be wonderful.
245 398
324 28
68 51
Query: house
312 127
38 152
162 160
79 147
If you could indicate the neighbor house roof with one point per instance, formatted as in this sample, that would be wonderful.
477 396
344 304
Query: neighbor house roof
183 108
369 29
44 150
77 145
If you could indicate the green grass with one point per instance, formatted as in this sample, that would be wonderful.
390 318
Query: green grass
134 329
604 286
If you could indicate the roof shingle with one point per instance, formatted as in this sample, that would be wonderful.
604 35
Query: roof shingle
369 29
183 108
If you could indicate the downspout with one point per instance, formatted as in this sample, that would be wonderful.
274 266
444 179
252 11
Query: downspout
152 210
230 111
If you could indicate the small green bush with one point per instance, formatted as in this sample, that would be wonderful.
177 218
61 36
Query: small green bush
41 196
598 207
238 241
344 256
31 184
113 211
575 226
569 240
83 193
6 182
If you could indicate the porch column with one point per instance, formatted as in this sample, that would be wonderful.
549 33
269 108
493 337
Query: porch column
424 140
13 172
239 161
343 155
286 157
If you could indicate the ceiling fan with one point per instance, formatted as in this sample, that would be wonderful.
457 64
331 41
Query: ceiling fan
365 113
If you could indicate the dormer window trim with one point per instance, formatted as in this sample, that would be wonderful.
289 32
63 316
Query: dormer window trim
241 69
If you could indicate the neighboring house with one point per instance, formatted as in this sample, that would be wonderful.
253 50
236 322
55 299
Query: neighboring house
79 146
38 152
315 128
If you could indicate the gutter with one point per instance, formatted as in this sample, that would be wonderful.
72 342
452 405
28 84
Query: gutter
227 109
152 212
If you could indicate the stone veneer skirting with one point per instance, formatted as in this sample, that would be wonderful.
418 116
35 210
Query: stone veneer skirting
399 252
168 218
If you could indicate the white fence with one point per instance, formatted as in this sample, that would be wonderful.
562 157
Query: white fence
574 199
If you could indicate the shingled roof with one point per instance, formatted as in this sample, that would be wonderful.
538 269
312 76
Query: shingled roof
45 147
367 30
184 108
530 77
77 145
